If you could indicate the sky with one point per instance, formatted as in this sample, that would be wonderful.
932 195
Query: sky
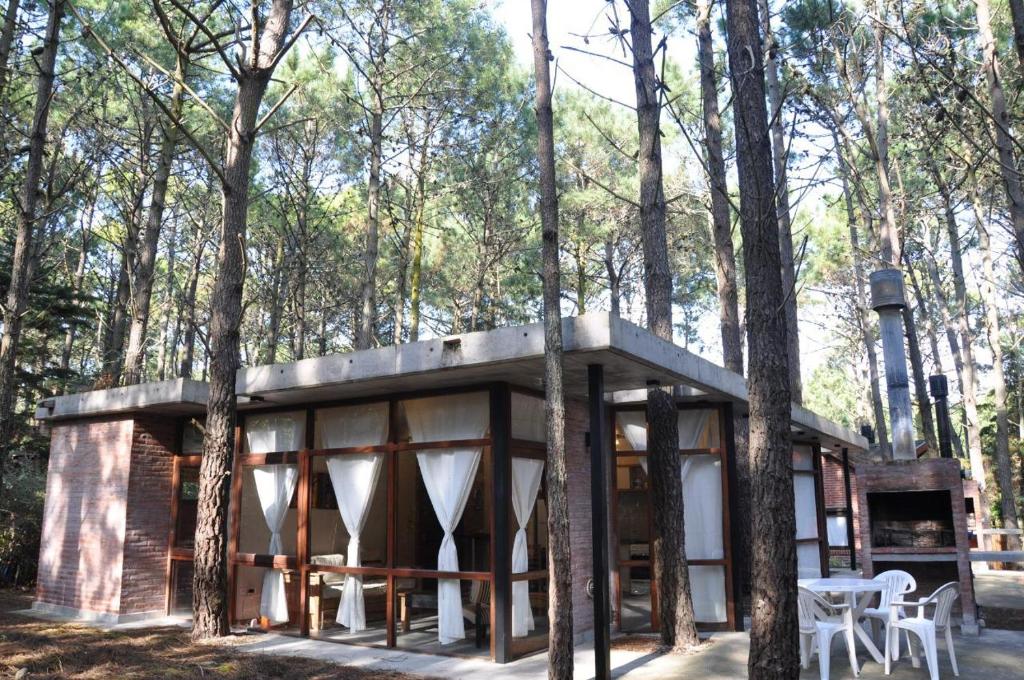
568 21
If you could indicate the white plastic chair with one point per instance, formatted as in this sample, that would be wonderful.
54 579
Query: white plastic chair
897 584
925 629
820 620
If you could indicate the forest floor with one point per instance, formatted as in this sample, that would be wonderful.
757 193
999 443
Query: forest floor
68 650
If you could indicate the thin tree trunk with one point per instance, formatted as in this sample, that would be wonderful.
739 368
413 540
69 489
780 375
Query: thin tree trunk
165 308
1001 120
968 382
779 156
142 288
774 649
924 404
1004 467
721 224
7 42
416 275
560 635
27 208
276 304
210 597
367 317
614 280
1017 16
675 606
189 349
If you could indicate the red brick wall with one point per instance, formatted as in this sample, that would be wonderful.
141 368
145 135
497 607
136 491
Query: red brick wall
148 521
81 551
577 424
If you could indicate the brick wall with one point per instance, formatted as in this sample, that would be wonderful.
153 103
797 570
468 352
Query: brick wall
148 521
577 423
80 560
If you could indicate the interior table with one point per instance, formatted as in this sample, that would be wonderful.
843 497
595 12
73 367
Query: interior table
857 593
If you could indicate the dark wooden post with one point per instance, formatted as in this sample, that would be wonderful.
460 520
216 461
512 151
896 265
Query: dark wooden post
501 490
599 521
850 535
733 510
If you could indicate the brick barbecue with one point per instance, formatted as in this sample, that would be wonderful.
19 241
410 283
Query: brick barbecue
913 517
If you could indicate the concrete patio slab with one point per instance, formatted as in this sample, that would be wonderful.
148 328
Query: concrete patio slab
994 655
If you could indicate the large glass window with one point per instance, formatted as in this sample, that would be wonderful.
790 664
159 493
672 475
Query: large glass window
703 505
809 542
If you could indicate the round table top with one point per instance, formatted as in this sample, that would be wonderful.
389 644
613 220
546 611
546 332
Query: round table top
841 585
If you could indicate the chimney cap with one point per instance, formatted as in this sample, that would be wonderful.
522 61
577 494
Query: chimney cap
887 289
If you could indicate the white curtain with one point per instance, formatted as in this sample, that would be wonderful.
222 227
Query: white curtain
836 527
354 478
691 428
528 421
702 517
634 425
275 485
270 432
448 475
526 476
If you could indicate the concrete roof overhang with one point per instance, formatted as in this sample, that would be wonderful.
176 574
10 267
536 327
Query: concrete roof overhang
632 358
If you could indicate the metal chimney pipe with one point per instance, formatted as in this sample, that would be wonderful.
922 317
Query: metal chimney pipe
888 299
939 389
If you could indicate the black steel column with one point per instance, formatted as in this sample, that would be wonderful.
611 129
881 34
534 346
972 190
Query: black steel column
940 392
599 521
501 490
851 541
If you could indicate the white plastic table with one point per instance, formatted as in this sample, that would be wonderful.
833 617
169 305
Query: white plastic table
857 593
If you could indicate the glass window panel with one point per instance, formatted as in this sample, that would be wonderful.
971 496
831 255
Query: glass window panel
635 614
328 537
271 432
325 592
528 418
698 429
806 506
188 504
254 534
837 536
181 588
420 533
537 594
249 588
631 433
808 560
445 418
803 457
191 438
416 617
707 586
351 426
702 506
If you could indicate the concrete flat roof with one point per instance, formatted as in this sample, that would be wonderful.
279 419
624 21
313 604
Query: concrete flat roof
632 357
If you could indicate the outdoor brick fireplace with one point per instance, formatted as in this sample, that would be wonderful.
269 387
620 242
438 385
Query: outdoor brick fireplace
916 521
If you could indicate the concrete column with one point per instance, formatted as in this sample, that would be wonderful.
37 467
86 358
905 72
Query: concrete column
888 299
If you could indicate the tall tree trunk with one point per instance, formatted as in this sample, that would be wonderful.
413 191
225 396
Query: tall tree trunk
968 382
189 303
863 312
1004 467
1017 16
614 280
210 597
416 275
368 313
142 288
6 43
83 259
780 155
774 649
276 304
1001 120
162 361
675 606
721 224
560 636
27 208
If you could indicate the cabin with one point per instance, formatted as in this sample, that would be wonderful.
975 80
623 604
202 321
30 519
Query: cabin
396 496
